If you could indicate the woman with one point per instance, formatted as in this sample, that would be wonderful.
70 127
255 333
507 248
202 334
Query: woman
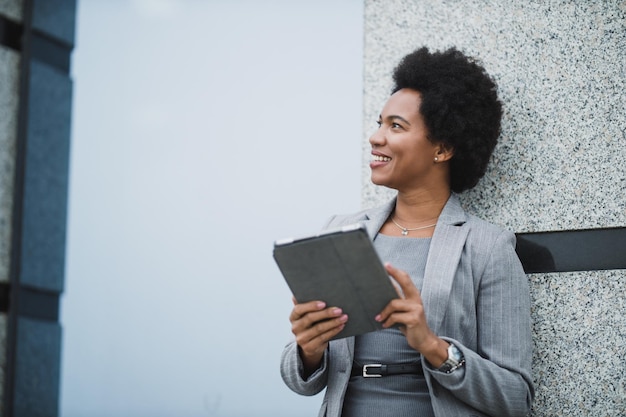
461 344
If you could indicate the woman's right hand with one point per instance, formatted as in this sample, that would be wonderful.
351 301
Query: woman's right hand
313 326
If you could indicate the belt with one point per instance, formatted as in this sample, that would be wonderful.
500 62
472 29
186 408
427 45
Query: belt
377 370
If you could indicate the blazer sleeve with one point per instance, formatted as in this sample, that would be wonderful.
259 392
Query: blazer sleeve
291 370
496 378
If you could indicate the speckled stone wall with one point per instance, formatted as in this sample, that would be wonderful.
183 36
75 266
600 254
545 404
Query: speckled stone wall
560 164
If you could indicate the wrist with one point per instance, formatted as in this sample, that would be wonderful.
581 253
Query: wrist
310 363
436 353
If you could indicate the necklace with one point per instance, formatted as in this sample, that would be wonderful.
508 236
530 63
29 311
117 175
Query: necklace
405 231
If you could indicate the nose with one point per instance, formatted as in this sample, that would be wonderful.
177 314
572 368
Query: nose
377 138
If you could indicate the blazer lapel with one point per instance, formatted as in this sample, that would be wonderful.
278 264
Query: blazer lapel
375 218
443 258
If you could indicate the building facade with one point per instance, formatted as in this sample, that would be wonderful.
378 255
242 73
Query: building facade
36 41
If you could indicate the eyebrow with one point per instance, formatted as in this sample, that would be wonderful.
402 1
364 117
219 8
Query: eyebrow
394 117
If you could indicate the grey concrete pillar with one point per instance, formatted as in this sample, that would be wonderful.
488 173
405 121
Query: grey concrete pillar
36 40
560 166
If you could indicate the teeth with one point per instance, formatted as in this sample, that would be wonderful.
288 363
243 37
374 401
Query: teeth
380 158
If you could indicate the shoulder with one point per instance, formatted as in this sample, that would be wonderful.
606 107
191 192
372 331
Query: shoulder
339 220
485 237
492 248
484 228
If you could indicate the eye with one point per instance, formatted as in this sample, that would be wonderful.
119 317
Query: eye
396 125
379 122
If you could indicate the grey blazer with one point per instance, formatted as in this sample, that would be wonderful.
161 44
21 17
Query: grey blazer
476 296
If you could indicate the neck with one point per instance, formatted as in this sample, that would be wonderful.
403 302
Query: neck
421 205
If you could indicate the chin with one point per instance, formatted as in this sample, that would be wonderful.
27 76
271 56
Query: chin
381 183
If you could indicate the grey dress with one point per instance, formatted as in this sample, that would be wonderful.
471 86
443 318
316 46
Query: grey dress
394 395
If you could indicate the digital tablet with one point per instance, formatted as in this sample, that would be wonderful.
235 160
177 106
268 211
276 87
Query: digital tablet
341 268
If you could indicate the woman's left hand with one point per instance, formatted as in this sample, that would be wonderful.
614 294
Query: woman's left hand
408 312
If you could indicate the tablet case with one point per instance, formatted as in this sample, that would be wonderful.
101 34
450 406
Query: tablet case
341 268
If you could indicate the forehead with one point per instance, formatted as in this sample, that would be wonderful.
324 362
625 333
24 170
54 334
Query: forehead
404 102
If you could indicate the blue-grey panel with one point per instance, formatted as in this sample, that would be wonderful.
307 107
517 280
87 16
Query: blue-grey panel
46 179
37 369
55 17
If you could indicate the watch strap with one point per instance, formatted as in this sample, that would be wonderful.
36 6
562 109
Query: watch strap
455 360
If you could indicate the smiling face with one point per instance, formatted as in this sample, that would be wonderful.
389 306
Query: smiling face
403 157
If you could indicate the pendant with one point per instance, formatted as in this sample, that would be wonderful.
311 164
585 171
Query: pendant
405 232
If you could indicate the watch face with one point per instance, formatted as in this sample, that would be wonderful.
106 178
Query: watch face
454 353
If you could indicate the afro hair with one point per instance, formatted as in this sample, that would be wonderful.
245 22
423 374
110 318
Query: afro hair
460 107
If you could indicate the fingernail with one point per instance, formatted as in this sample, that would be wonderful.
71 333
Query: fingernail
377 318
343 318
337 311
321 304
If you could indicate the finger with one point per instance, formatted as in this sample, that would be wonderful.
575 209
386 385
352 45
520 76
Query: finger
319 332
404 280
326 336
312 318
396 287
397 321
403 320
300 310
320 342
396 306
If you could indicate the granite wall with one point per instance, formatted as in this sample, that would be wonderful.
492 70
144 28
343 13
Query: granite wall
560 164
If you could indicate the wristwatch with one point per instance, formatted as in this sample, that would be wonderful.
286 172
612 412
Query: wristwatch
455 360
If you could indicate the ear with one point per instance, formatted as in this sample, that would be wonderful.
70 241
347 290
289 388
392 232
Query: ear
443 152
